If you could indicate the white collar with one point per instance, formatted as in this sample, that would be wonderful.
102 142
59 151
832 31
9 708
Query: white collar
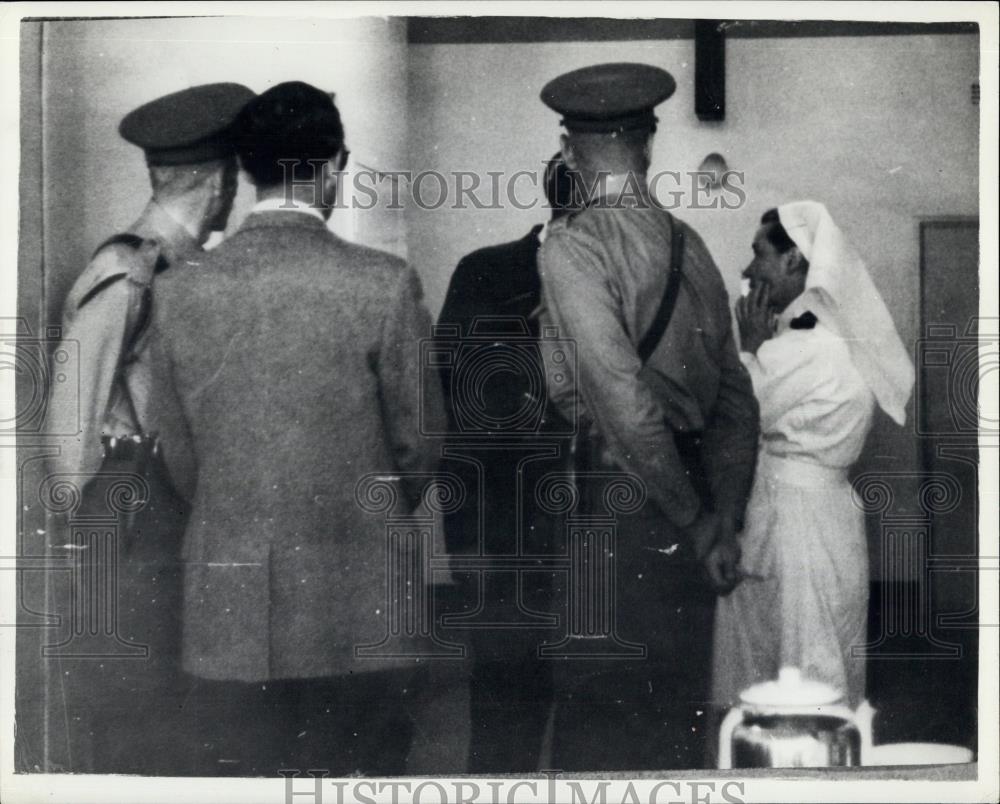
285 205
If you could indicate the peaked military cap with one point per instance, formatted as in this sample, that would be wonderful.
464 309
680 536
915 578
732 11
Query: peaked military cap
609 97
187 127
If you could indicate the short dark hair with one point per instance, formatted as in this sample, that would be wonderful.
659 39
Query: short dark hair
778 237
776 234
293 120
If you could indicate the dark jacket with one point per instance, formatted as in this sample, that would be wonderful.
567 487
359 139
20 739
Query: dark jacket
487 321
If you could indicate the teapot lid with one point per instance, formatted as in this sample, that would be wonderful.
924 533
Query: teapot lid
791 690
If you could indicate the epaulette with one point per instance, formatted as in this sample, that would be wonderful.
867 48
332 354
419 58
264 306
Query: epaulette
143 261
805 321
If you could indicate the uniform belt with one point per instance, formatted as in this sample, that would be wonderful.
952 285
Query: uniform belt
798 472
130 447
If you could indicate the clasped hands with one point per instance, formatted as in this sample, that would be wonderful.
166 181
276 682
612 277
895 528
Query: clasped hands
716 546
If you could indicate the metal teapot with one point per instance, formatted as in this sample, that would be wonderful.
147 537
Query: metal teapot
794 723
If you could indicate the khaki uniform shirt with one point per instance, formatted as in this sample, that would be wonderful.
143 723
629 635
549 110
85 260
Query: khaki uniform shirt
604 273
95 317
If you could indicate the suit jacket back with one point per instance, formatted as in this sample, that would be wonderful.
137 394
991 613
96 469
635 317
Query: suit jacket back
293 358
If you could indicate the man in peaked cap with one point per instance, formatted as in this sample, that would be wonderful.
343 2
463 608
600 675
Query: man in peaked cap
187 140
662 396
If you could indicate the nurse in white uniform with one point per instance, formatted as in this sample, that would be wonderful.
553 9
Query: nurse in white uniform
822 351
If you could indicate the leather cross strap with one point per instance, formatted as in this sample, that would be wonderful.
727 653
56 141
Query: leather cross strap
144 257
666 309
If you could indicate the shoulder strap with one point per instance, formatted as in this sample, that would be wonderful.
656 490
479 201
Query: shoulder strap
141 294
140 303
666 310
124 238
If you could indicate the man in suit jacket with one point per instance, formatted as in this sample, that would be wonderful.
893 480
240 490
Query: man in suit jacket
293 356
492 297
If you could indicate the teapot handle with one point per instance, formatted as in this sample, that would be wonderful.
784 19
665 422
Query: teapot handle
864 718
733 717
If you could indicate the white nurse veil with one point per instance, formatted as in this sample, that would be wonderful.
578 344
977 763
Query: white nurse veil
843 290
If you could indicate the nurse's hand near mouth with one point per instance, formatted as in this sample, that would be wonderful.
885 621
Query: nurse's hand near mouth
755 318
